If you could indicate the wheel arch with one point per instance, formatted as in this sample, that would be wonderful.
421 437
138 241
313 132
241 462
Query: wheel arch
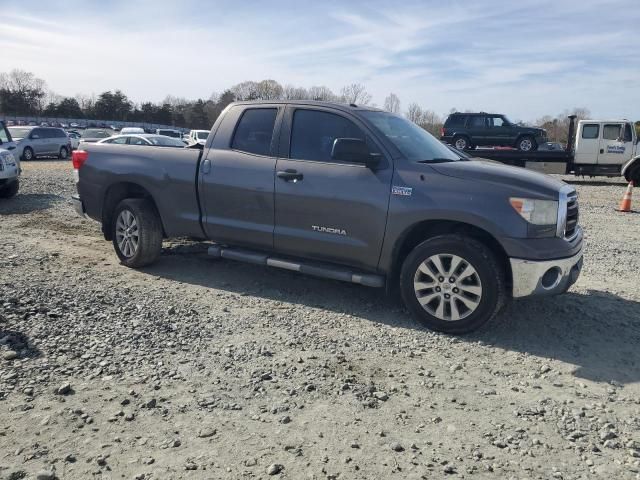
521 135
421 231
632 166
118 192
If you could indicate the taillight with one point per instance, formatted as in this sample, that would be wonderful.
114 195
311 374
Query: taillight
442 131
78 158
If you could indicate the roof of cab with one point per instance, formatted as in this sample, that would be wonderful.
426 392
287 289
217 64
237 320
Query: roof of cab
347 107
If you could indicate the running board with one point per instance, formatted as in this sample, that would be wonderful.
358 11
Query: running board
323 270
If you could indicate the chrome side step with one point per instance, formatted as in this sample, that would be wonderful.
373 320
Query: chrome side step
316 269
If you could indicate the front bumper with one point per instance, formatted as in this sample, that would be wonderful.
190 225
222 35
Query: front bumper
78 206
549 277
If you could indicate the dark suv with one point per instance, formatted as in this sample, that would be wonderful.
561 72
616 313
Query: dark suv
468 130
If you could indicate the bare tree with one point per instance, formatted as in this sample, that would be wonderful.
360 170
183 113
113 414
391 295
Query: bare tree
245 91
269 90
322 94
392 103
414 113
431 122
291 92
355 93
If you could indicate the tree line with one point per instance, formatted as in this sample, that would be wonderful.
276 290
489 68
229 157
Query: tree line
23 94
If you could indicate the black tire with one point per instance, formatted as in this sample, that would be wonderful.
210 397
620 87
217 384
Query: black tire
461 142
526 143
27 154
633 175
149 233
63 154
493 292
10 190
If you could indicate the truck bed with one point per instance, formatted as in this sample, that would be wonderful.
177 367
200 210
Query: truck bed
169 175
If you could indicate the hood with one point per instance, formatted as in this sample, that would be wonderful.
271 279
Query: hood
537 184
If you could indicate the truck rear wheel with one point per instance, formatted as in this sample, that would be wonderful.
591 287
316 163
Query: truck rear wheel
137 232
452 284
461 142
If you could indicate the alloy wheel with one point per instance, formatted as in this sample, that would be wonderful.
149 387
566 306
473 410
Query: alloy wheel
448 287
127 233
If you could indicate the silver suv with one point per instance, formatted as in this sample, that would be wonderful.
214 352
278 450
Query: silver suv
32 142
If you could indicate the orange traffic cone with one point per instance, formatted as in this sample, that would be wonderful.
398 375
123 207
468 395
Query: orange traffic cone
625 203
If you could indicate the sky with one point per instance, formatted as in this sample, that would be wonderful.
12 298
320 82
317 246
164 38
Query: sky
524 58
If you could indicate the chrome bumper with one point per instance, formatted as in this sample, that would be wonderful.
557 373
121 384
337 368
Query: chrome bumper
77 205
549 277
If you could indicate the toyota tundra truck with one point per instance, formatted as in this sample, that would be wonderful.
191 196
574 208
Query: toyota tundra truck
344 192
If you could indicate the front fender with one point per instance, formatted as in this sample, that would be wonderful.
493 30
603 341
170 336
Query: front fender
632 166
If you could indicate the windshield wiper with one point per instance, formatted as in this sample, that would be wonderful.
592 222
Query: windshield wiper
438 160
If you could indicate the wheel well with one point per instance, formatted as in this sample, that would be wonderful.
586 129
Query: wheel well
431 228
522 135
114 195
632 171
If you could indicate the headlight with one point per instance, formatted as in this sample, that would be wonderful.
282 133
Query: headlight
536 212
7 158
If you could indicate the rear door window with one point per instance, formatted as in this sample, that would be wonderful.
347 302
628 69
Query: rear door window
254 131
590 130
476 121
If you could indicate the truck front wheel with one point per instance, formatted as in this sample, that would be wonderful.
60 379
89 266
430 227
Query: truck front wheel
526 144
452 284
137 232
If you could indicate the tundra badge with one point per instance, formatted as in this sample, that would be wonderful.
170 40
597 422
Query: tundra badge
337 231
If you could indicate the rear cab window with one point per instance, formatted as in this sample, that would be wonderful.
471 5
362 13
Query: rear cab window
254 131
590 130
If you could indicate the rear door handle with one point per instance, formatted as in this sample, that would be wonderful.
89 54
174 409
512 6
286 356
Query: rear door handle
206 166
289 175
602 150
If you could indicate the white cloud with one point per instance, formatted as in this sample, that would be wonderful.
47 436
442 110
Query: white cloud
525 58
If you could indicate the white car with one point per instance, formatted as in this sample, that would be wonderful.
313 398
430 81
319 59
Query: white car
131 130
198 136
74 138
9 174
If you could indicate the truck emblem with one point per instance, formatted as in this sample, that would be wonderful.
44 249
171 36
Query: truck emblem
337 231
403 191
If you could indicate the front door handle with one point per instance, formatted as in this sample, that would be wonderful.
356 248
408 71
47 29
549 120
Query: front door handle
289 175
602 150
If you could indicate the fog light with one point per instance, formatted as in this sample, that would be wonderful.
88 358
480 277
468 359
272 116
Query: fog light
551 278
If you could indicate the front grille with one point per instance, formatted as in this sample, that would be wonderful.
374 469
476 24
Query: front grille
572 216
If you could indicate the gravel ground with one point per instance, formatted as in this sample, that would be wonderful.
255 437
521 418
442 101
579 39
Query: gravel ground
200 368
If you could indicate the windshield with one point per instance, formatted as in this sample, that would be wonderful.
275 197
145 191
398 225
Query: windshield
202 135
5 136
91 133
19 133
414 142
164 141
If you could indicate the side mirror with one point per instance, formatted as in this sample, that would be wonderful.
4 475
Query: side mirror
354 150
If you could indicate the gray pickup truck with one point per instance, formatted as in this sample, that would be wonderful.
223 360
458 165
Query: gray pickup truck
348 193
